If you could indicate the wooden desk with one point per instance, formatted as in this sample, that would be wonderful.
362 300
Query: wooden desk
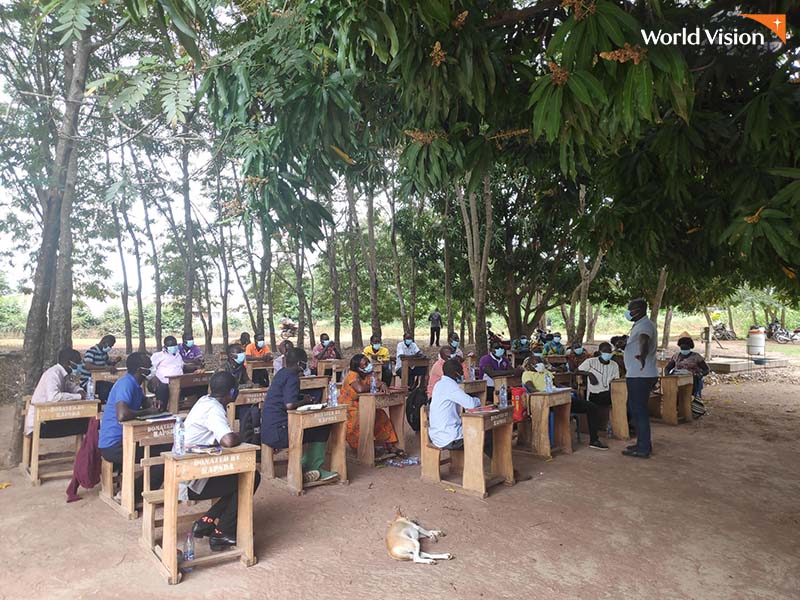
476 481
335 365
299 421
555 359
246 397
316 382
475 388
258 365
240 460
187 380
395 402
134 434
676 399
510 381
407 363
107 375
518 356
619 409
535 433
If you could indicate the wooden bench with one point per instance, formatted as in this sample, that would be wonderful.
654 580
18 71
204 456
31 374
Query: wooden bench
334 365
259 365
32 461
187 380
240 460
431 456
393 401
299 421
246 397
409 362
534 432
316 382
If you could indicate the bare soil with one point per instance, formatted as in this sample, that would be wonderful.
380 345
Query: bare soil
714 514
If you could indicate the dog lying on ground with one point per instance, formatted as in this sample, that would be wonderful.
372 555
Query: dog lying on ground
402 541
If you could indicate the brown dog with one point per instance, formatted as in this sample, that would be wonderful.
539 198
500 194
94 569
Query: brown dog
402 541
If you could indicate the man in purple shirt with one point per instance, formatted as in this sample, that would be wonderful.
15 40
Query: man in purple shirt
494 364
191 354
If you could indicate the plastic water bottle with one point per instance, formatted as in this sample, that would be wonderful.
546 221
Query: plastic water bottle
333 394
90 388
188 551
373 384
548 383
503 397
178 447
471 373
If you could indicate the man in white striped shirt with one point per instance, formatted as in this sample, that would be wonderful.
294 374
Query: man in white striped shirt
600 371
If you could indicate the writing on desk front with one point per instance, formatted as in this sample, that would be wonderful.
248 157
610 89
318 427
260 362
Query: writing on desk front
213 465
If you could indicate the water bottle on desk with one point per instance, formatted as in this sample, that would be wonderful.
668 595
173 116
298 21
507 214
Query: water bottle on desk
471 373
178 448
373 384
503 396
90 388
548 382
188 552
333 394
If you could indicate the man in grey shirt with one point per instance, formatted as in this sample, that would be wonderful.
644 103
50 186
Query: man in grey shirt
436 326
641 375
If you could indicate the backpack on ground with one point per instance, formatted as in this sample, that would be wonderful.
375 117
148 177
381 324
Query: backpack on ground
416 399
250 425
698 408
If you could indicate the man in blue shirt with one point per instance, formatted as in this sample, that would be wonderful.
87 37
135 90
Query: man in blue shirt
641 375
284 395
554 347
126 402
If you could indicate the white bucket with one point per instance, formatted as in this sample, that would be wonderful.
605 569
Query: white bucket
756 341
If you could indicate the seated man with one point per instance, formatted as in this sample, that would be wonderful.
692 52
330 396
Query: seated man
258 350
283 347
575 357
326 349
437 370
495 364
207 424
235 365
126 402
376 351
284 395
455 346
191 354
554 347
244 339
445 430
691 361
521 347
408 348
55 385
166 363
97 358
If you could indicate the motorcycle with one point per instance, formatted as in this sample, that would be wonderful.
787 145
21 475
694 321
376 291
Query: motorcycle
784 336
721 332
288 329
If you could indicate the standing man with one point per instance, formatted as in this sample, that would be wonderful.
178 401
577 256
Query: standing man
641 374
436 325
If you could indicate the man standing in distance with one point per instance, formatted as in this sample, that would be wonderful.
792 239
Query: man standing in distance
436 325
641 374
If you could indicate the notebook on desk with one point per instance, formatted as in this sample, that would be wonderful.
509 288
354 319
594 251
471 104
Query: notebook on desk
157 417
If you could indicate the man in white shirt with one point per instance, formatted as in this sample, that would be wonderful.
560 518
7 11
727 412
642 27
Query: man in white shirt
207 424
166 363
409 348
55 386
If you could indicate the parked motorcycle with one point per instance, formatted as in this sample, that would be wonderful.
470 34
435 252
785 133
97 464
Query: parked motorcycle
721 332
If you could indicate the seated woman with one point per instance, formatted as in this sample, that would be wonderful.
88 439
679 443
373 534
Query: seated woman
691 361
357 381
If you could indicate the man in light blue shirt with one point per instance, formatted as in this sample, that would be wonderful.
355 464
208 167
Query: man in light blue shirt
641 375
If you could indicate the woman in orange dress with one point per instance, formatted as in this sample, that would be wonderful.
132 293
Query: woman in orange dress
357 381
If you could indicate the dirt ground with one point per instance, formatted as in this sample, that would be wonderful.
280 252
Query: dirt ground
714 514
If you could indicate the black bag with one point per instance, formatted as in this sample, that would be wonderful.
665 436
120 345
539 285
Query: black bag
698 408
250 425
416 399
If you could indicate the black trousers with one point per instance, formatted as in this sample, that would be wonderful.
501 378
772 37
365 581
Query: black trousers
592 412
114 455
386 374
435 331
488 444
261 377
65 428
226 509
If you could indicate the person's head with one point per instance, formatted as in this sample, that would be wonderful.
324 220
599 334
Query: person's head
188 339
538 351
224 387
445 352
453 369
686 344
454 340
620 342
557 337
244 339
69 358
606 351
375 340
325 340
236 353
549 337
259 339
107 343
636 309
488 324
408 338
577 348
360 364
285 346
171 344
534 363
296 358
497 350
524 338
138 364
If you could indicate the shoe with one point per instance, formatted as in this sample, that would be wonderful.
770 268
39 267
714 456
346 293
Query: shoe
201 528
634 447
598 445
219 541
311 476
327 475
636 453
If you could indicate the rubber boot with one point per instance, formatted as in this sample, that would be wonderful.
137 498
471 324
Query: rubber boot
316 450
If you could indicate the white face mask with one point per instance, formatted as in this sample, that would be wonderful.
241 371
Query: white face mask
539 367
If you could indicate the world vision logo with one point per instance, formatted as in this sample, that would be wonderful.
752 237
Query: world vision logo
719 37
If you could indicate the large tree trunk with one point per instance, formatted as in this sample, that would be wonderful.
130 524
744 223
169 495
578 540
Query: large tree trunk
667 325
189 271
655 306
354 232
396 266
372 264
125 290
478 254
594 313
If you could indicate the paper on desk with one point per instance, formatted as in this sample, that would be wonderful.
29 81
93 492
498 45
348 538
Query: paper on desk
560 389
308 407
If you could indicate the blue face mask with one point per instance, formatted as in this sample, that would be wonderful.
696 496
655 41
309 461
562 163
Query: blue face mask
106 349
537 354
368 368
628 316
578 351
376 347
686 352
523 341
326 343
260 344
240 358
408 342
189 343
606 356
454 344
172 350
557 340
499 352
460 379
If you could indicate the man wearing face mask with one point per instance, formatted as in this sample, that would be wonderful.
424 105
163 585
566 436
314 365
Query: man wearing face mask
55 385
408 348
258 350
166 363
235 365
326 349
97 358
575 357
641 374
554 347
494 364
376 351
191 354
521 347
